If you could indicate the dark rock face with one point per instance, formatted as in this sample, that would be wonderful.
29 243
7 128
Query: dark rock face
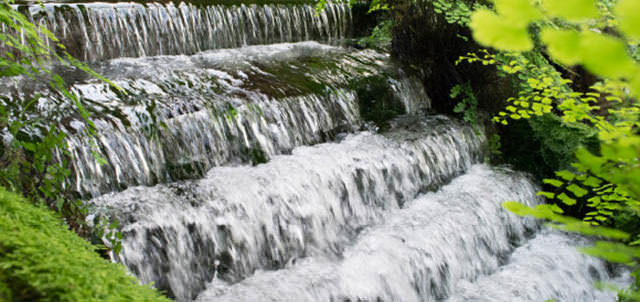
424 40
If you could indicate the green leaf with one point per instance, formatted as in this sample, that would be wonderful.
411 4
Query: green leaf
566 199
590 161
548 195
595 200
592 182
545 211
29 146
562 45
579 226
627 12
572 10
566 175
492 30
553 182
577 190
517 12
612 251
59 204
605 56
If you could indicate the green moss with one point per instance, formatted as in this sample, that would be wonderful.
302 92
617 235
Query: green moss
285 80
258 156
377 102
40 260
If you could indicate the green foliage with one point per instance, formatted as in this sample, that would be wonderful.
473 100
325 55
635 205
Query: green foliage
578 39
572 10
377 5
539 84
495 145
603 198
467 105
40 260
33 161
602 37
380 37
560 140
455 11
321 4
628 21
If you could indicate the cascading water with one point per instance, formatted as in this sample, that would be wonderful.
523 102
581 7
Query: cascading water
244 174
99 31
238 219
453 243
218 107
549 265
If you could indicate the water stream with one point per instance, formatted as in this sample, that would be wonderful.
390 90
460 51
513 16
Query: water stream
315 200
250 155
100 31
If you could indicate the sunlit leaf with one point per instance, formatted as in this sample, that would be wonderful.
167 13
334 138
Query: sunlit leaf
553 182
566 175
627 13
572 10
577 190
605 56
563 45
566 199
517 12
491 30
548 195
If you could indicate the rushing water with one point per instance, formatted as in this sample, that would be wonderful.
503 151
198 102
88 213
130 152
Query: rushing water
99 31
245 174
547 267
238 219
453 243
215 108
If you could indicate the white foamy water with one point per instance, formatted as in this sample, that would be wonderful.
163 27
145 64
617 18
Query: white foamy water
239 219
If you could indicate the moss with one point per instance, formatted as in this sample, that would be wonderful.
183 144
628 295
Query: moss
377 102
285 80
40 260
258 156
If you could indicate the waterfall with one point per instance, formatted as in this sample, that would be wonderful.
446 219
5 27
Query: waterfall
100 31
312 201
454 242
187 114
249 156
548 266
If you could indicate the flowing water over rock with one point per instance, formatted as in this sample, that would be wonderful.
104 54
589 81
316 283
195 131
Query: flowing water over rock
186 114
99 31
454 242
244 174
238 219
548 266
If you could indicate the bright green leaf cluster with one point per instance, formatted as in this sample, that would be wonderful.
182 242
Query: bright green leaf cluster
572 10
507 28
602 36
468 105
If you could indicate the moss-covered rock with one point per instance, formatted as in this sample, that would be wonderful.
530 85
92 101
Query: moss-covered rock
40 260
377 101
